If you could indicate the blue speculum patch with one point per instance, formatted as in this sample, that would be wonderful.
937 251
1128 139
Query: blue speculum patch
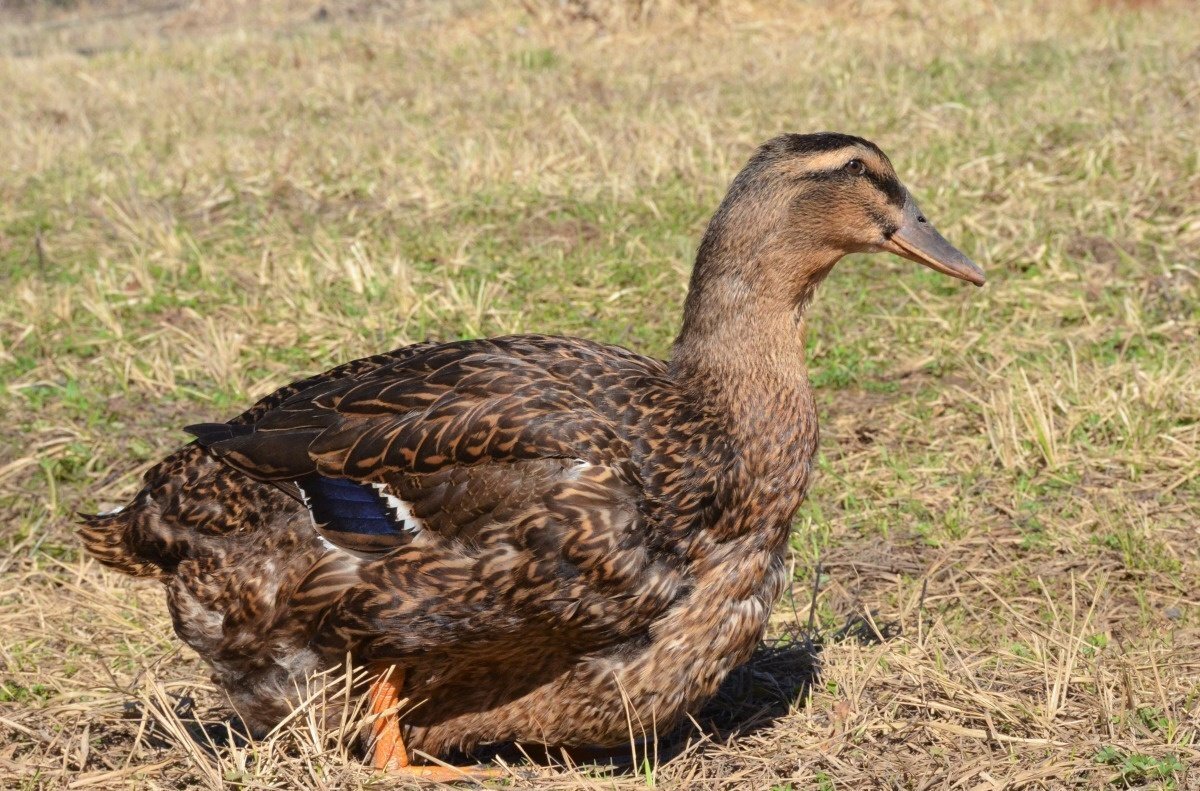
349 506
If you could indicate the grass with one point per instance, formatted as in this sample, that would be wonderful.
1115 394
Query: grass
199 203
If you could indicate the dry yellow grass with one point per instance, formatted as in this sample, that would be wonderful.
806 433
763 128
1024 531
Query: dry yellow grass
199 202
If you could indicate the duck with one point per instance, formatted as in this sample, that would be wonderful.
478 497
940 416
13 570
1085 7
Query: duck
527 539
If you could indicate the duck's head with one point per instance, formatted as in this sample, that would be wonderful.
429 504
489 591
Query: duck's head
805 200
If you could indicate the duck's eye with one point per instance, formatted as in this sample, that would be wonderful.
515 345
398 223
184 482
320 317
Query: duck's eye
856 167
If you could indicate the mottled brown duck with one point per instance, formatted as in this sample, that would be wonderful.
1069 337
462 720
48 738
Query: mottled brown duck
528 538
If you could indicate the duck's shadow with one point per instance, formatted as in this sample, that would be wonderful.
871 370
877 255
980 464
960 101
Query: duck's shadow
775 680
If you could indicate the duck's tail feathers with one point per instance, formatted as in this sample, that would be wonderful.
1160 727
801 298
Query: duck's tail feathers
109 538
211 433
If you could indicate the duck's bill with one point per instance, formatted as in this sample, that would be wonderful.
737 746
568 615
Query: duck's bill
917 240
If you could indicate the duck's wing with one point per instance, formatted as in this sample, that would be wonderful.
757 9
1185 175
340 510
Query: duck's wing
453 404
473 491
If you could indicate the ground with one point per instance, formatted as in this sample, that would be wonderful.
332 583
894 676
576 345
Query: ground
996 574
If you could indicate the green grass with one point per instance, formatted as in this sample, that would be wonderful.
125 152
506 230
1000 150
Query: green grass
218 200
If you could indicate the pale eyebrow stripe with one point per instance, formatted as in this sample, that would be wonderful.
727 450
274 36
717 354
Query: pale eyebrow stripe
831 160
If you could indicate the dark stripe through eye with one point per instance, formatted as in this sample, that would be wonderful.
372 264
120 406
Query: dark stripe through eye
888 185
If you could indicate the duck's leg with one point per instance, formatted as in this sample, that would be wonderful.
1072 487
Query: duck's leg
388 752
387 742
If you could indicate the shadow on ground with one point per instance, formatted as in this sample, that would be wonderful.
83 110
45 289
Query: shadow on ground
776 680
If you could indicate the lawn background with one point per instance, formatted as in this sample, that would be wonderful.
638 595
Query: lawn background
202 201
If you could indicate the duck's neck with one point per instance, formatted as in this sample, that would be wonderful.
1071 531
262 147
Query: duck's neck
740 360
741 348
